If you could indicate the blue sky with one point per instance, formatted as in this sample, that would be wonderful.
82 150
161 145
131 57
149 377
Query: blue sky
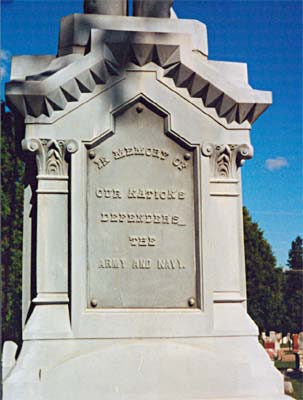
267 35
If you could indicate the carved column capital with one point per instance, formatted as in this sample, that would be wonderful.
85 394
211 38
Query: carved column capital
226 158
72 146
207 149
244 152
50 154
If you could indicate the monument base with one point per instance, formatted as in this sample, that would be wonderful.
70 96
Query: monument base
145 369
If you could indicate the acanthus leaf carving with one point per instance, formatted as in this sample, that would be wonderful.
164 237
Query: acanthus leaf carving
51 154
226 159
55 157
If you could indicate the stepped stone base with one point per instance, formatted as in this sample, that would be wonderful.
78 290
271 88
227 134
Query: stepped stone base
145 369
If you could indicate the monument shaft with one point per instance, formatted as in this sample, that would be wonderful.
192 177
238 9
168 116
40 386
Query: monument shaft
134 278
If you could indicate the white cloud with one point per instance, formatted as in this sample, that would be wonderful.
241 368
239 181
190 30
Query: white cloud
273 164
5 57
3 72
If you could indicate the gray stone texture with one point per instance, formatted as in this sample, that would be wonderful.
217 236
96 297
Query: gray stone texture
152 8
105 7
140 289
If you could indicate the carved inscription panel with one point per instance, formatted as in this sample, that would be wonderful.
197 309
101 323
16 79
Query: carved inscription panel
141 217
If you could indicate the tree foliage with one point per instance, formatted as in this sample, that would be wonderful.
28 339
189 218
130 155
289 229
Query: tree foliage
11 243
264 281
274 296
294 288
295 255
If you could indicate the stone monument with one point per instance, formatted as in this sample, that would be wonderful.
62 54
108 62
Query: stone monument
133 260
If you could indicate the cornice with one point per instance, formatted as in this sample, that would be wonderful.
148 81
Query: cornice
108 53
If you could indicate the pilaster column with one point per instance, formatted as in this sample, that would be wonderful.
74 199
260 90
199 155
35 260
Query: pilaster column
52 217
225 228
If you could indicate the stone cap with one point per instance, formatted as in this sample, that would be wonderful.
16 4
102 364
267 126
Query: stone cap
75 29
94 48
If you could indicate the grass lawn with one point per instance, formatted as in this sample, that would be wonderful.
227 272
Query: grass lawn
295 377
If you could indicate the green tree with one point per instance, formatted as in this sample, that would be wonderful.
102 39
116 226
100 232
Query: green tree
11 244
294 288
264 281
295 255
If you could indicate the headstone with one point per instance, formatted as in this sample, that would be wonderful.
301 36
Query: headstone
279 337
285 339
295 338
289 357
133 259
277 346
270 349
269 345
288 387
272 336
